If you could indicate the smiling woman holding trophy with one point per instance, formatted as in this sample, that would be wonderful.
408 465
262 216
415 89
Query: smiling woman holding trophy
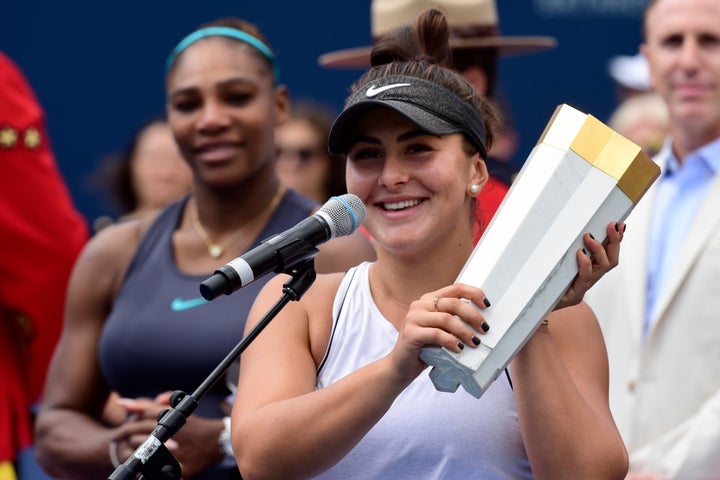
334 387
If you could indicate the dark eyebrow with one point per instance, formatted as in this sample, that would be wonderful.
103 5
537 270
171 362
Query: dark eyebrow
400 138
412 134
237 81
362 138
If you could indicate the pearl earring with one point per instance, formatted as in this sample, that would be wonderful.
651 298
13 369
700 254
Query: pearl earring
475 189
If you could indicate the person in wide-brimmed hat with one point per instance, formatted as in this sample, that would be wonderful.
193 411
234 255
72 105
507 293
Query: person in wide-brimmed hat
476 45
475 37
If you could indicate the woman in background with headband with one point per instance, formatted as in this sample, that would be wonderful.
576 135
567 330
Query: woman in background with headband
334 387
135 321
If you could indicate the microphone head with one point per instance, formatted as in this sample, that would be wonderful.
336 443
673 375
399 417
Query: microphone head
344 214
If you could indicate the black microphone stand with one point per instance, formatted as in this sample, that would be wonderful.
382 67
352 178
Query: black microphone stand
152 460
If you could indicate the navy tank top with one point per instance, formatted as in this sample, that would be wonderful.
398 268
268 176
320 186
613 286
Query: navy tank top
161 335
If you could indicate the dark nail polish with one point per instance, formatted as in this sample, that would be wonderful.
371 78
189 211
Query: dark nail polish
461 345
616 227
476 340
591 236
485 327
624 228
486 302
584 251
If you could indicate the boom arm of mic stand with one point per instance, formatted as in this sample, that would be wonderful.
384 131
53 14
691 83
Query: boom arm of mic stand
152 460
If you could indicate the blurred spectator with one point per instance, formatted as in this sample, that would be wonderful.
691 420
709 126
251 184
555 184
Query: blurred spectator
41 234
303 161
641 115
642 119
501 157
150 173
631 76
659 309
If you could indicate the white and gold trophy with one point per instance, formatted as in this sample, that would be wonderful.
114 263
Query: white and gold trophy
580 176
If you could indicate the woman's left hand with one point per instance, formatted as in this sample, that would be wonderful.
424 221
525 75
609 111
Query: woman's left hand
593 263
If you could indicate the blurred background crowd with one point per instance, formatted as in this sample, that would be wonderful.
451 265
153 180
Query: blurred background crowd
97 73
98 70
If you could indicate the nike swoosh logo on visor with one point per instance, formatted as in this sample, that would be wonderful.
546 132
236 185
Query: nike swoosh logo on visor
373 90
179 305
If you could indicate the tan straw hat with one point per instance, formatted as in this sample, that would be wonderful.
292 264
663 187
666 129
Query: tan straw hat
473 25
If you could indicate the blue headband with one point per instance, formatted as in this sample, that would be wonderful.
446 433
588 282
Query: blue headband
223 32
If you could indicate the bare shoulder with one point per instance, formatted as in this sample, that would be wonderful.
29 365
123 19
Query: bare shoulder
578 319
320 297
308 320
339 254
577 324
577 334
314 303
582 310
108 254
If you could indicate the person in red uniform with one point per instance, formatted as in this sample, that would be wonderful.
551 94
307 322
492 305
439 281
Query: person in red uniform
41 234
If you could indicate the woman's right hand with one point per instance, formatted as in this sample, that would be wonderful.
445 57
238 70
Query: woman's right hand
441 318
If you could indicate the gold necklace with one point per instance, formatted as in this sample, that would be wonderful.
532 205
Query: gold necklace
215 249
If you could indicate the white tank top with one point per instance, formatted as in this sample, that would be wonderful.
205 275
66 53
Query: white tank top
426 434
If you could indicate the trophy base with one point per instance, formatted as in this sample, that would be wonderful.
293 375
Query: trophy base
448 373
